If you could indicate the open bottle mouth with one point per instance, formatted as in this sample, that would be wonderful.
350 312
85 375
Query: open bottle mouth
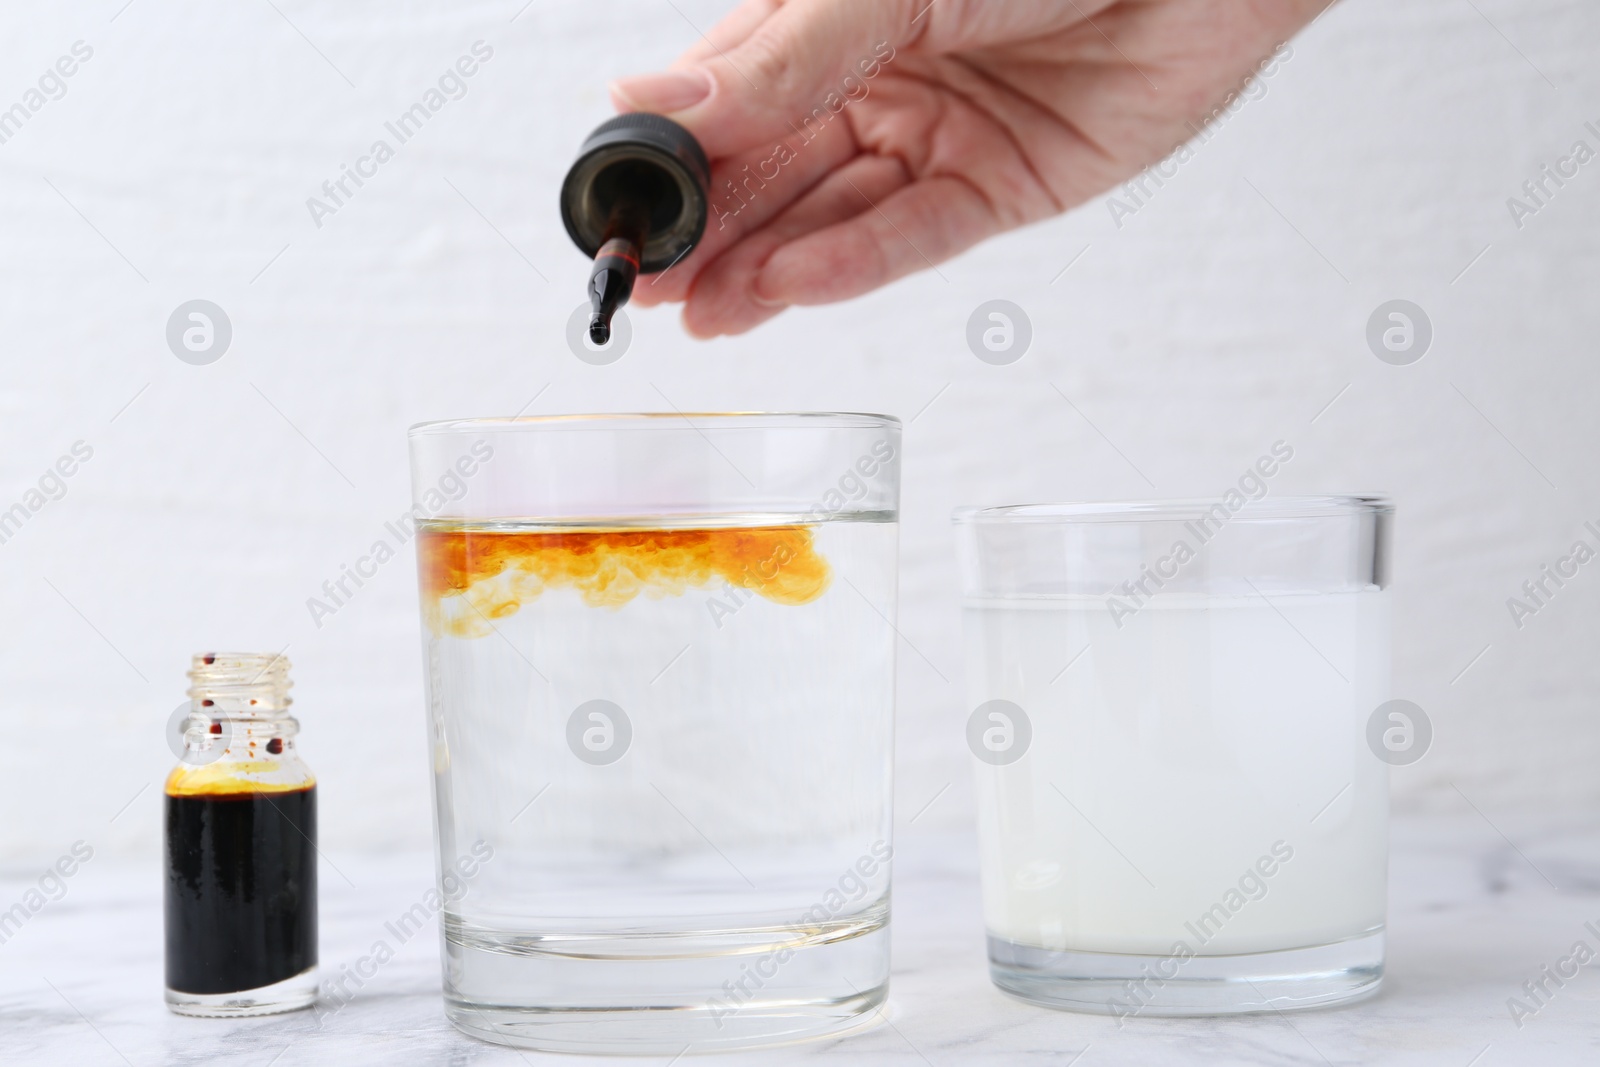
249 684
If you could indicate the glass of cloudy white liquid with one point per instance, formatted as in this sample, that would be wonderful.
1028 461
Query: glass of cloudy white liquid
660 682
1179 811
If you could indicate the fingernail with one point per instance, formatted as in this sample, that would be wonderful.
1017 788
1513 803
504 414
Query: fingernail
761 291
670 91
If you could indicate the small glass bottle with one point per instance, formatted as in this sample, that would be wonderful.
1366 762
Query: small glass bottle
241 858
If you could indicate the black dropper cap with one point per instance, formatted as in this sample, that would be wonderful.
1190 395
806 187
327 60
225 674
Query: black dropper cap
635 201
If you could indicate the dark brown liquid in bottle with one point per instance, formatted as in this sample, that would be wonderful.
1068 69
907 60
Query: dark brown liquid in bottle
241 893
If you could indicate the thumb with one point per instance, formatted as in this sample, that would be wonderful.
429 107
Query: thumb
808 59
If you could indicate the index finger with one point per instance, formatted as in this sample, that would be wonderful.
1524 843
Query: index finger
734 29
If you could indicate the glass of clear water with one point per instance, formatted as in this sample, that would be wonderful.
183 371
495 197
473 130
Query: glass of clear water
1181 811
660 668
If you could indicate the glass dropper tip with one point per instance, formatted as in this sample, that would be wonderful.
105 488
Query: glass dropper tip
599 330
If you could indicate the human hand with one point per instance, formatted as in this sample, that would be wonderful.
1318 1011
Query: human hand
882 137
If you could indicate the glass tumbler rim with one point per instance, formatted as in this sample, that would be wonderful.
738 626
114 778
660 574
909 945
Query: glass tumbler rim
1175 509
646 420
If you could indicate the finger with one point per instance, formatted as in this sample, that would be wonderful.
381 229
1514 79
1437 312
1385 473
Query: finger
913 229
734 29
723 301
772 60
806 60
746 192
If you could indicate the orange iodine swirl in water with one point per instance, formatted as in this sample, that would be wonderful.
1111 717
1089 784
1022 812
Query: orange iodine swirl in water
471 576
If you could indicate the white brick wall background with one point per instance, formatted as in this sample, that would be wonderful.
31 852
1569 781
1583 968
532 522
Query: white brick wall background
1223 315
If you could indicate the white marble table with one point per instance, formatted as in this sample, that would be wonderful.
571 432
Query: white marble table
1472 916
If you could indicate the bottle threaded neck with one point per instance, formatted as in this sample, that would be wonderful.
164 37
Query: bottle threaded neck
245 685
